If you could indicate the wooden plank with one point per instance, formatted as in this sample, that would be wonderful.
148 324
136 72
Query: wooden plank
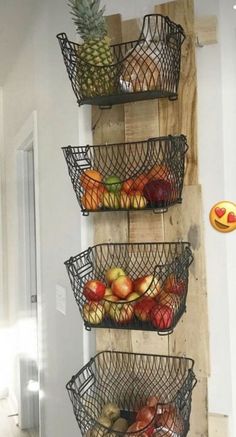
206 30
191 336
199 416
142 122
218 425
181 116
111 226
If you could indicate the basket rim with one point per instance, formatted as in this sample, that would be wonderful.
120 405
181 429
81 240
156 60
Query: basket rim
92 360
74 258
63 36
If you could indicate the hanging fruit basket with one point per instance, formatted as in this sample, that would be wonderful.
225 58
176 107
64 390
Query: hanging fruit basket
144 175
139 286
129 394
147 68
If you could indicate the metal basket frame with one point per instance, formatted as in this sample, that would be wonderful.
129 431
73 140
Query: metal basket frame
137 259
158 50
128 379
129 160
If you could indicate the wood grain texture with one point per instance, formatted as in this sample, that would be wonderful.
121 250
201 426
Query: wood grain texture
206 30
110 227
199 412
181 116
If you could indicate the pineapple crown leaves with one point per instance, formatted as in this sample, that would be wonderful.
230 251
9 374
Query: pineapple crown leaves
88 18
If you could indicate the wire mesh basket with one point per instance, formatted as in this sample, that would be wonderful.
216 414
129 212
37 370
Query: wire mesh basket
141 286
134 176
147 68
118 385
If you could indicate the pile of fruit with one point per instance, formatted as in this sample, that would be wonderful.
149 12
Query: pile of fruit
154 419
121 299
154 189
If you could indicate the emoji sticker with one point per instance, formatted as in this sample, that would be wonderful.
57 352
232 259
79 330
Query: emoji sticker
223 216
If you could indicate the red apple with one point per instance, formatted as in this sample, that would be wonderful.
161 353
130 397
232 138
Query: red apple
121 312
146 414
94 290
162 316
170 299
122 287
148 285
157 191
142 308
142 427
93 312
175 285
113 273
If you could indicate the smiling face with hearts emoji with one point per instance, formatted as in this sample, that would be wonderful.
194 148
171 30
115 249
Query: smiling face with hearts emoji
223 216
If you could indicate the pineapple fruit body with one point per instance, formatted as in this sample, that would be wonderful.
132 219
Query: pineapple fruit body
96 74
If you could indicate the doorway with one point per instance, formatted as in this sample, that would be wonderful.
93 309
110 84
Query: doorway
27 361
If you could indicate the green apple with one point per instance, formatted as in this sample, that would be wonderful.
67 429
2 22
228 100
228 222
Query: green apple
112 274
113 184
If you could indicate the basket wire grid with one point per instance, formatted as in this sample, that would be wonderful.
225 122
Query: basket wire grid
146 68
149 174
159 260
128 379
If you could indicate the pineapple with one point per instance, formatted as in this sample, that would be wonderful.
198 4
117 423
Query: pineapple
97 78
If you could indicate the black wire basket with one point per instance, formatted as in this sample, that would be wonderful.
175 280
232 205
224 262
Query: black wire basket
147 68
118 385
144 175
140 286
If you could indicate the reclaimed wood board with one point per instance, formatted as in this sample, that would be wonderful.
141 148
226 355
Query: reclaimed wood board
139 121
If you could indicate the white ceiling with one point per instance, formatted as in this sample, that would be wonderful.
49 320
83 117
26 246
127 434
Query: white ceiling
16 17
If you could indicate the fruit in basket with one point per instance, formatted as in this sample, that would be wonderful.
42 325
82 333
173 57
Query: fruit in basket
124 200
111 201
122 287
142 308
140 182
120 425
141 69
90 179
93 312
147 285
113 273
137 200
121 313
171 421
111 410
175 285
162 316
157 191
128 186
170 299
160 171
163 433
92 199
142 427
113 184
132 297
94 290
100 429
107 302
95 52
146 414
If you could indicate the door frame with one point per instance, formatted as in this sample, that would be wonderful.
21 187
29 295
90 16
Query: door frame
27 138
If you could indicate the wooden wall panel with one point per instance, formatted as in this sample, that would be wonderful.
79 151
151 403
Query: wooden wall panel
139 121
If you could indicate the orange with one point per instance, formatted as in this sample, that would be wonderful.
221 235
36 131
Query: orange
159 171
140 182
128 185
90 179
91 200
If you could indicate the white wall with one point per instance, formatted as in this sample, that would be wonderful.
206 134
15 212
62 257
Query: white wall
39 81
